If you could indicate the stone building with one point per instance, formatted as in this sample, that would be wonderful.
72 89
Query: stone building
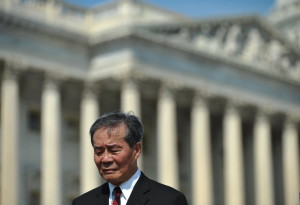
219 98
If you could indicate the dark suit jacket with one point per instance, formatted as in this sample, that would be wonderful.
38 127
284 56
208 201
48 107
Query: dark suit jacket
145 192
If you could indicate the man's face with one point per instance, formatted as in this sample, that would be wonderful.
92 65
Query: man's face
115 160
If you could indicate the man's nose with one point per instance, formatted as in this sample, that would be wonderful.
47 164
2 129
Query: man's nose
107 157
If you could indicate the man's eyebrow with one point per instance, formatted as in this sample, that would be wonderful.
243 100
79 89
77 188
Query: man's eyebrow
97 147
108 145
111 145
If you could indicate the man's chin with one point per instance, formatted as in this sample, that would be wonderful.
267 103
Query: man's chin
112 179
109 176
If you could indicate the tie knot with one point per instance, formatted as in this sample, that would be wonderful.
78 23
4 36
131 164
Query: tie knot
118 192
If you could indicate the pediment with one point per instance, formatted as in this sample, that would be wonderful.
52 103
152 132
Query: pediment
249 41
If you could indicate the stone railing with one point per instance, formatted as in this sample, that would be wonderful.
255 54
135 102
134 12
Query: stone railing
66 11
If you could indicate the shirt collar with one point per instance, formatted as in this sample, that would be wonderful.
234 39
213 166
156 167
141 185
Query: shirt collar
127 186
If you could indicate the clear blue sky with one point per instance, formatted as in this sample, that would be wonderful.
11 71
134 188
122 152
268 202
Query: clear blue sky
203 8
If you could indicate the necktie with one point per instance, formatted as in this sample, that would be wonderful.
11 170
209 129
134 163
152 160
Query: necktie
118 193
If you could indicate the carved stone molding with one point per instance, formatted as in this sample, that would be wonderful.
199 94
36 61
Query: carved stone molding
52 80
202 94
90 89
166 90
13 68
265 112
129 73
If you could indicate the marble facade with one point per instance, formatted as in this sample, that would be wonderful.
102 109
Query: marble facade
219 98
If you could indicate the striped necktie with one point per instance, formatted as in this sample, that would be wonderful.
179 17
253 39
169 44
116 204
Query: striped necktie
117 195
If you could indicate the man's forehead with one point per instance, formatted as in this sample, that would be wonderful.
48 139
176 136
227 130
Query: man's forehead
116 131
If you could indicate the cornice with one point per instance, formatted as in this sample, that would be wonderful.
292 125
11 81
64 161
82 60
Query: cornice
186 47
25 63
142 33
14 21
224 59
194 25
242 96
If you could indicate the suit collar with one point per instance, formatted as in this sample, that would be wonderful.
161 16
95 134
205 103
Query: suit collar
139 193
102 195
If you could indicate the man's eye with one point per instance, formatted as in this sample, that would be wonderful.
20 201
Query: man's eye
98 153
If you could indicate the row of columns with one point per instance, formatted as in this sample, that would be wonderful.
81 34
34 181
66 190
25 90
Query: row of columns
167 146
51 165
233 158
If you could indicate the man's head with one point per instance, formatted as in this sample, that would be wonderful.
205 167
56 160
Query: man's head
116 140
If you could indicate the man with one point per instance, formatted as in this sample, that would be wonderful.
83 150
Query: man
116 140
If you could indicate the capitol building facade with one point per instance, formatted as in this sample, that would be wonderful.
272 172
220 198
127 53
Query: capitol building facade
219 99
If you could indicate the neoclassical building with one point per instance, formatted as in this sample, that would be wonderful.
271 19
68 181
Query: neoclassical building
219 99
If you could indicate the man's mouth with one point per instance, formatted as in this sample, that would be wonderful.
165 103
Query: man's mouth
108 171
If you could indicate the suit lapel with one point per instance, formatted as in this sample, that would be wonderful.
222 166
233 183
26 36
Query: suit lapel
139 192
102 195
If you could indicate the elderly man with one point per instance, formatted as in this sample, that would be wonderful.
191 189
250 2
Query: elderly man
116 140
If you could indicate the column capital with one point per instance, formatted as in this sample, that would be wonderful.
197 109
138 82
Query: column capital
266 111
130 74
19 64
204 94
55 76
131 81
235 102
53 80
13 69
291 119
201 97
11 73
166 90
90 88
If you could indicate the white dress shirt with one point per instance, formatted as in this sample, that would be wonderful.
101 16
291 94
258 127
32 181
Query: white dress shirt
126 188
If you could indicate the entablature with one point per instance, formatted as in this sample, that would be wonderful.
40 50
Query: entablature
248 41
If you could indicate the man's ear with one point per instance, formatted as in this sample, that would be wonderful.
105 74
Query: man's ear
138 149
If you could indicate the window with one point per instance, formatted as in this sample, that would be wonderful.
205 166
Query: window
72 127
34 198
34 120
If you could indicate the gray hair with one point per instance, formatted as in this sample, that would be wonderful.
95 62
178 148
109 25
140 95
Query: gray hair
112 120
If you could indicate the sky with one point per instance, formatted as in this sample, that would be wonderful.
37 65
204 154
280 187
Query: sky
203 8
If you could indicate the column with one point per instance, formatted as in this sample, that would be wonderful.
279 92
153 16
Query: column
89 175
263 161
130 97
233 157
167 139
290 163
10 147
51 144
201 153
131 101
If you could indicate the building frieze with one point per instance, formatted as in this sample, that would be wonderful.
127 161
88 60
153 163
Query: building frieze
189 37
9 20
258 58
25 63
